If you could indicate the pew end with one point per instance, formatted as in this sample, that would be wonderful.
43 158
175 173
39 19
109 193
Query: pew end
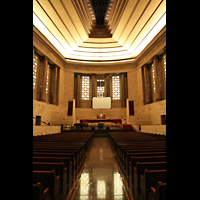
40 193
159 192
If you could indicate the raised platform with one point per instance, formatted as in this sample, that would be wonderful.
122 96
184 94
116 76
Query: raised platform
116 121
102 132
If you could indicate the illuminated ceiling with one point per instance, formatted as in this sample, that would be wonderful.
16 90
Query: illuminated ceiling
71 26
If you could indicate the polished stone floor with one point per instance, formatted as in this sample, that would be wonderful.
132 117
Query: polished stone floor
100 178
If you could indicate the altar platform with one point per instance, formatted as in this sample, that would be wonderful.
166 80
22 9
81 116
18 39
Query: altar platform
99 129
101 125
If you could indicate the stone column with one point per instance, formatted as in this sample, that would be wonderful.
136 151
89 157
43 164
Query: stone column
122 91
157 93
163 74
93 85
146 84
125 89
55 85
108 86
78 86
44 79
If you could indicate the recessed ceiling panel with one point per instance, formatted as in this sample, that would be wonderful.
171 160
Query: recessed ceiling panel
72 27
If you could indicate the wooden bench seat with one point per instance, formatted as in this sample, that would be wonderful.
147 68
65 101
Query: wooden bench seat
146 154
149 179
67 162
71 155
60 170
134 160
133 147
122 148
139 149
69 148
58 148
84 138
77 156
39 193
125 153
159 192
139 170
50 180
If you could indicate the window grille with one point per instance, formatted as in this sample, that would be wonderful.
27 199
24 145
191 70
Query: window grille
164 61
47 82
35 63
85 87
153 78
115 87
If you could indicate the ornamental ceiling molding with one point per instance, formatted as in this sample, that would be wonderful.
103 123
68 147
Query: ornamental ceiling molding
67 25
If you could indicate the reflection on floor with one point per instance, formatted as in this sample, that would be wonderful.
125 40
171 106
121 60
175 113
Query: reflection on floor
100 178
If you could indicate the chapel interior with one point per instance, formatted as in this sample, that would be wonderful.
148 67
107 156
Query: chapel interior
99 99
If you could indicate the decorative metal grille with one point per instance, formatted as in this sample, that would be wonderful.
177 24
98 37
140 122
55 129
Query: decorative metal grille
85 87
47 82
153 78
35 63
115 88
164 61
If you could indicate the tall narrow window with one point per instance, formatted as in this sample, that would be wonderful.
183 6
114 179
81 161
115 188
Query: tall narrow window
164 76
85 87
164 62
100 87
35 63
47 80
153 78
115 88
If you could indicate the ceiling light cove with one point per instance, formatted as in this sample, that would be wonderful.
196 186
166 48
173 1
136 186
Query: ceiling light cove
106 31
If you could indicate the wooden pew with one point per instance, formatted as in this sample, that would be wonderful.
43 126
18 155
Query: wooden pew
84 139
60 170
71 155
40 193
123 161
146 154
149 179
67 162
119 138
139 170
140 149
133 147
65 147
58 148
77 157
134 160
158 193
50 180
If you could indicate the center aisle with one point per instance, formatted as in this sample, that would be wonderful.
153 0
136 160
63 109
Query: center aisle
100 178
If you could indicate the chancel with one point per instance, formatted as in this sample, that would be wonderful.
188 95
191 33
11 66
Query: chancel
99 99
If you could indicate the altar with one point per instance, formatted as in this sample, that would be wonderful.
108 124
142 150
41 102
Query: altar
116 121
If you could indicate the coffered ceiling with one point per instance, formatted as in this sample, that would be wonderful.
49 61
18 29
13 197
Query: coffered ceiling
106 31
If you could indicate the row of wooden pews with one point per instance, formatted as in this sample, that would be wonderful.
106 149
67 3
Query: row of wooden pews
142 159
57 160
